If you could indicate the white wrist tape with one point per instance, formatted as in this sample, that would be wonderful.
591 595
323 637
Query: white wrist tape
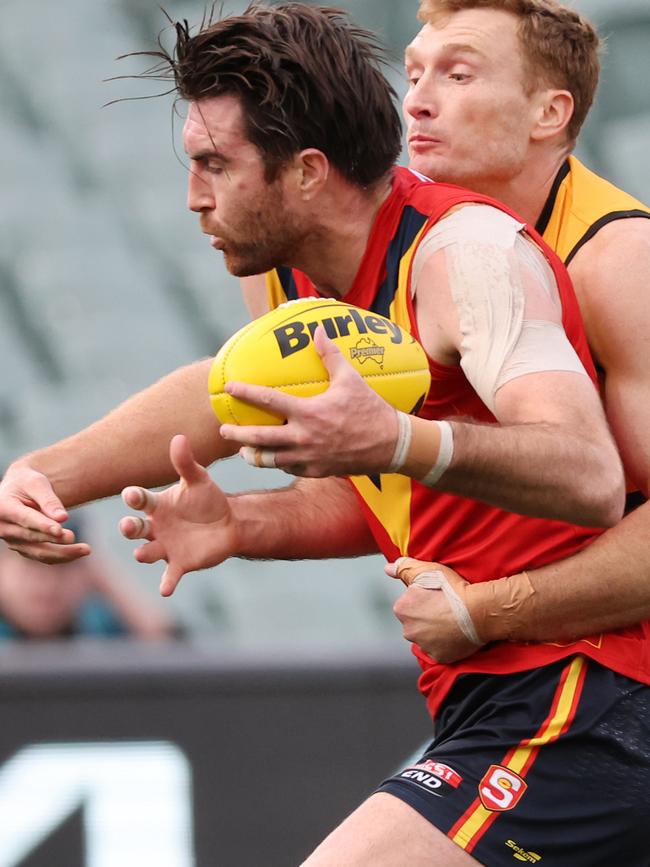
422 448
403 443
445 454
435 580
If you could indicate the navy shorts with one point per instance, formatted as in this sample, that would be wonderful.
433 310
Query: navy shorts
550 766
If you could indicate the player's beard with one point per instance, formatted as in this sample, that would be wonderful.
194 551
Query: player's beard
264 237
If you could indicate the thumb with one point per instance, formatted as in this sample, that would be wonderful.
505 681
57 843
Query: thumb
407 569
182 458
392 569
43 495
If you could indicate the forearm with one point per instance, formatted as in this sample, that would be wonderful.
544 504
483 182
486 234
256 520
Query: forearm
537 469
130 446
603 587
311 519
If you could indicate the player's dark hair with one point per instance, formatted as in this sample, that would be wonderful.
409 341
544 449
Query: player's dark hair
307 77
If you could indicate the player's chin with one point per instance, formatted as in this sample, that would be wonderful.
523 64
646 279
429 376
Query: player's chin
241 264
424 164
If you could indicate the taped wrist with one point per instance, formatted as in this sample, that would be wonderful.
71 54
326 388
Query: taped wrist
435 576
504 609
424 449
436 580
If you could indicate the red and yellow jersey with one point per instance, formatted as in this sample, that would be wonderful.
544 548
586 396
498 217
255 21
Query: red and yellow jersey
479 541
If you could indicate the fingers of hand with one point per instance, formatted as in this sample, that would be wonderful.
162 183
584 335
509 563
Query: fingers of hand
18 518
169 581
329 352
407 569
15 533
259 395
140 498
52 553
183 461
36 488
136 527
151 552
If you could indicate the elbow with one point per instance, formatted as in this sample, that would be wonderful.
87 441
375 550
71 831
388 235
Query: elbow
606 498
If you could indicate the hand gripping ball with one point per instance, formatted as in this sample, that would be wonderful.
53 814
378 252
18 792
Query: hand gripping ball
277 350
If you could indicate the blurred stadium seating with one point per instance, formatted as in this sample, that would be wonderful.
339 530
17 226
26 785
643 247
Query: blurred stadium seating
106 284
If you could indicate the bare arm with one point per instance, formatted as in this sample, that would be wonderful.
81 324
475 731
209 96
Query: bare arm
607 584
129 445
552 440
309 520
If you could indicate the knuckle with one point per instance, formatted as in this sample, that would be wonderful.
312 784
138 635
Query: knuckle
266 397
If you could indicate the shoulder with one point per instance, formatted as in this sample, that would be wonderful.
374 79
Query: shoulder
610 274
477 223
616 253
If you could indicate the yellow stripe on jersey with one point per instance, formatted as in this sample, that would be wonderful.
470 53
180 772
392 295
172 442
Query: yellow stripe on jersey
274 289
382 495
479 816
382 500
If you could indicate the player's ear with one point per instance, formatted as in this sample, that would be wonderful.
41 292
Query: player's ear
553 113
313 170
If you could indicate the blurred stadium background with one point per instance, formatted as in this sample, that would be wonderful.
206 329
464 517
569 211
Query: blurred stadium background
106 285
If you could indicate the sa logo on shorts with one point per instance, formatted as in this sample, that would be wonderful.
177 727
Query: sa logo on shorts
500 789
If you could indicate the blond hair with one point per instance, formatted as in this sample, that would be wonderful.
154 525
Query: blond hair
559 47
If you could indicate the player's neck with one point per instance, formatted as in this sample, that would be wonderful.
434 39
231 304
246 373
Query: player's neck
331 255
527 192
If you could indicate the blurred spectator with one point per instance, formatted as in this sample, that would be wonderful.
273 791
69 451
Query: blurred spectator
86 597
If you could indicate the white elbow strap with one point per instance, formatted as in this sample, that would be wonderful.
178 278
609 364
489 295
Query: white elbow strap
506 298
424 448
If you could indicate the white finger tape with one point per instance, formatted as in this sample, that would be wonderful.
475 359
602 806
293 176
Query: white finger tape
258 457
435 580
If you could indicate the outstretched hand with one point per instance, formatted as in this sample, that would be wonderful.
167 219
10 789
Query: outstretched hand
348 429
427 617
189 525
31 518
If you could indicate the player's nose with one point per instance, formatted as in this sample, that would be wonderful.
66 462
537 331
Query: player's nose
199 194
420 101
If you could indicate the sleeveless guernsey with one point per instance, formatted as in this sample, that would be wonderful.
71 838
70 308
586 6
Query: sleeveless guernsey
479 541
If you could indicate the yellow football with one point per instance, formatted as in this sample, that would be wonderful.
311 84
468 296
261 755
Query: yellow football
277 350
